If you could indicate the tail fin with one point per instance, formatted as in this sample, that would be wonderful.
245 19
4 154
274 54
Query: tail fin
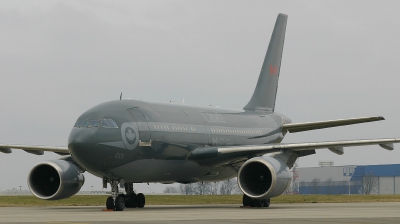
265 93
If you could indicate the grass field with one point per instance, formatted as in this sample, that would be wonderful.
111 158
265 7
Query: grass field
86 200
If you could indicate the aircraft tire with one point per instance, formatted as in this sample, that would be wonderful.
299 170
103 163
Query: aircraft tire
246 200
141 200
110 203
259 202
119 203
131 200
121 195
253 202
267 202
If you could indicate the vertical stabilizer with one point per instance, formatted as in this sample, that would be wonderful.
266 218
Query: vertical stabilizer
265 93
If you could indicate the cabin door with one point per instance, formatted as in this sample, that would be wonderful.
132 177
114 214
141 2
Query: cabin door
143 126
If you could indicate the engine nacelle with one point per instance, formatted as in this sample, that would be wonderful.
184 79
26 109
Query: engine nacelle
264 177
55 179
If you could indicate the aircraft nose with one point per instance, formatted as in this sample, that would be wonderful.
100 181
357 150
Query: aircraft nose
82 145
81 136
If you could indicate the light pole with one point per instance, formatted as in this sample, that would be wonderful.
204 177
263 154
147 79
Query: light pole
20 188
91 189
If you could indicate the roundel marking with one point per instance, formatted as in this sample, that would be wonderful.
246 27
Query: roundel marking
130 135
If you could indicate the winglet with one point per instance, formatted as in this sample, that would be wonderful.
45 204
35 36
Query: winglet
265 93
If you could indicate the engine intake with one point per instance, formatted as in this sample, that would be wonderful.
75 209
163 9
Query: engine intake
55 179
264 177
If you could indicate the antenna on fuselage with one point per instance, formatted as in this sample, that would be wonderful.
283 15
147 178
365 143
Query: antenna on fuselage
120 96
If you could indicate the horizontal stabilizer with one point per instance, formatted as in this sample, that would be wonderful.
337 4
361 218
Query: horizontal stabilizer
298 127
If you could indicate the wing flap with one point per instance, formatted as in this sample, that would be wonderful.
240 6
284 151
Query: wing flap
37 150
5 150
337 150
307 126
388 146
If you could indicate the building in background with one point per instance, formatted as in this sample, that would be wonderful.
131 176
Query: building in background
369 179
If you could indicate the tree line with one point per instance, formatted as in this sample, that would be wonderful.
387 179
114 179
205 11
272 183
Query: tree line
203 188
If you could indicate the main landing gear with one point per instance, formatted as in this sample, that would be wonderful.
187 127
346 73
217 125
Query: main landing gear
118 202
251 202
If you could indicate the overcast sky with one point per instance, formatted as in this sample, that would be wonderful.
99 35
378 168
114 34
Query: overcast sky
59 58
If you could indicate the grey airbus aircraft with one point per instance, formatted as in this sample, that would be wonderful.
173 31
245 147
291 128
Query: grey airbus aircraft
131 141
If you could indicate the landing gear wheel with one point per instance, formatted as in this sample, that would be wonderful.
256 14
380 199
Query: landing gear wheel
141 201
131 200
246 201
121 195
267 202
110 203
119 203
259 202
253 202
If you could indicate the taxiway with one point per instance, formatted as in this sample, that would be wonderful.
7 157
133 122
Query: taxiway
385 212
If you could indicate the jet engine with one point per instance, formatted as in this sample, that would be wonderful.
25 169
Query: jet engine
264 177
55 179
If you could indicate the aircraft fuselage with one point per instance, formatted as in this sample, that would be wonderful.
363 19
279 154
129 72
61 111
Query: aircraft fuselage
153 140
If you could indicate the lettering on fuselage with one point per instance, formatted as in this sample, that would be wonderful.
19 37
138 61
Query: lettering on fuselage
220 141
119 156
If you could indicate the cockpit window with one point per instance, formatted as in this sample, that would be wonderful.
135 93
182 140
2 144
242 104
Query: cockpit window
108 123
79 124
104 123
94 123
88 124
112 123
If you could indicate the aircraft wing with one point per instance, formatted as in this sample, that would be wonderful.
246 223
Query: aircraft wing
225 153
37 150
298 127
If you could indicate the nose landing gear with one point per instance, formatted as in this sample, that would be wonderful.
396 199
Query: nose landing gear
118 202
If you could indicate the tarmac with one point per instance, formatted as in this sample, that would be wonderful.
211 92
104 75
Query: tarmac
377 212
